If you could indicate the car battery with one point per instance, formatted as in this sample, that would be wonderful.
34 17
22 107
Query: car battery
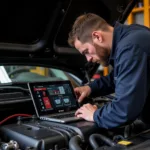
33 136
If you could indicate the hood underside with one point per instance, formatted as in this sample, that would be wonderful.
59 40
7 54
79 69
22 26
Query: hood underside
36 32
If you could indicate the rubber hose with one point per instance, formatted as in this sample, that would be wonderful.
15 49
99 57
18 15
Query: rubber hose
74 143
95 137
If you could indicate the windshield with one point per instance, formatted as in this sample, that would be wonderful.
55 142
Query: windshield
34 73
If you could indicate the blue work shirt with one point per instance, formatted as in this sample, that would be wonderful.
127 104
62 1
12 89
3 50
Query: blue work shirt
129 80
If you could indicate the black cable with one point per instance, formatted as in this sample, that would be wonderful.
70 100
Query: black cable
14 88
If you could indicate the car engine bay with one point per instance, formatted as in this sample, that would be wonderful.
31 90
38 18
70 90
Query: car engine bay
20 128
34 47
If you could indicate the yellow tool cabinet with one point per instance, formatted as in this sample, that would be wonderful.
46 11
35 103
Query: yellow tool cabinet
144 8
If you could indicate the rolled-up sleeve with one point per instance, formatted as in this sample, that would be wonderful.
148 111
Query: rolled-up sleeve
130 89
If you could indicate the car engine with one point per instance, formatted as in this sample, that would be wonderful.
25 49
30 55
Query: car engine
21 129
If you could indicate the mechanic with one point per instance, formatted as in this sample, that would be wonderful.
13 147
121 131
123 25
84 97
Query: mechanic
126 48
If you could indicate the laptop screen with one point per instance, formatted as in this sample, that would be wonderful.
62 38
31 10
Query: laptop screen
53 97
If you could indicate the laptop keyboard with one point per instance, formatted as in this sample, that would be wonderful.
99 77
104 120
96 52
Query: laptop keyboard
64 115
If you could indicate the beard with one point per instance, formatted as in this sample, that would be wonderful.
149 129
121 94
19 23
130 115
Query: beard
103 55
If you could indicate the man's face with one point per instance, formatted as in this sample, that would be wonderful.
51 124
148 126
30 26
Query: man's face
93 52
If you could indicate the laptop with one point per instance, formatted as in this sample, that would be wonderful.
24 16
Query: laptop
54 101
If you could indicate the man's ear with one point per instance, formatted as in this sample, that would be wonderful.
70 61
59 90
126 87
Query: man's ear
97 36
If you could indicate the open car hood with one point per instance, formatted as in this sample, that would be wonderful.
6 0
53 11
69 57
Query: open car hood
36 32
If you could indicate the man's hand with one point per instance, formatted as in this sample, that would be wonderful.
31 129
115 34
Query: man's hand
82 92
86 112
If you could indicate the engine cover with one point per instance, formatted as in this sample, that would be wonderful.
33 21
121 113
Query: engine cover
33 136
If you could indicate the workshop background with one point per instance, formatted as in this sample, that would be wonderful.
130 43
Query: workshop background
139 15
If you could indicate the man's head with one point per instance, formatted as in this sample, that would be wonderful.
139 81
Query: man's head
92 36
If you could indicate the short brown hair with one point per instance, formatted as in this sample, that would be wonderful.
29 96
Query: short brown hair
83 27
